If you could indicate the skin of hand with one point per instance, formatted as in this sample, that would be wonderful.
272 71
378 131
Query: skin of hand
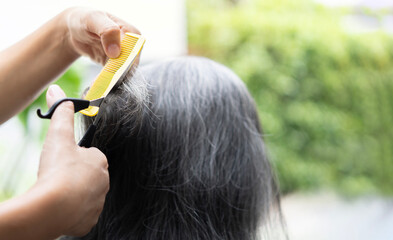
72 181
30 65
69 194
96 34
82 173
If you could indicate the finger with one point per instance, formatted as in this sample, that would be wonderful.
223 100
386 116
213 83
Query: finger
100 161
110 40
124 26
53 94
62 122
99 156
102 25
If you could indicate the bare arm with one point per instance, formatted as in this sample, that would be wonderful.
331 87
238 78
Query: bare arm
30 65
69 194
71 187
17 217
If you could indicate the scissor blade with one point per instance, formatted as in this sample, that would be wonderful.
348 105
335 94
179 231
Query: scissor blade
96 102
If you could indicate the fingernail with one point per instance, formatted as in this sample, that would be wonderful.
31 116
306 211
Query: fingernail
55 91
113 51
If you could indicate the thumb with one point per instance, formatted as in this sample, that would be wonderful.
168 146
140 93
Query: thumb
110 39
62 123
53 94
109 32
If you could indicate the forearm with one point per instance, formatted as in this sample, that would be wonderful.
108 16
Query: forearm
34 215
28 66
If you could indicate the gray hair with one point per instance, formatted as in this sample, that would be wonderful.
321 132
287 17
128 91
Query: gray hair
186 156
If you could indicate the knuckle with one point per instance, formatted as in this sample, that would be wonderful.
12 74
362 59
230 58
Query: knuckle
105 165
56 126
67 107
59 128
99 157
110 30
137 31
132 29
107 189
96 14
107 179
84 231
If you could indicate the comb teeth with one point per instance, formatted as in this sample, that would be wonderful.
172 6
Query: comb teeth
114 69
128 44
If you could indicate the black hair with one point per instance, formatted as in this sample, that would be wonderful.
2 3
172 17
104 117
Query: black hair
186 162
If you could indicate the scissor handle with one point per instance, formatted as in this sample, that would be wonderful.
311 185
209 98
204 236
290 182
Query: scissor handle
79 104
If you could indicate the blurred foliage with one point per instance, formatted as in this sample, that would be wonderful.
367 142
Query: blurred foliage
325 97
4 195
70 82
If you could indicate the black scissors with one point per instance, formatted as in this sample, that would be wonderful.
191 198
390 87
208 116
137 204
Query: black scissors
79 104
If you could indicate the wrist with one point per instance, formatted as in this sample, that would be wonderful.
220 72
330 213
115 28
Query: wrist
33 215
58 194
50 206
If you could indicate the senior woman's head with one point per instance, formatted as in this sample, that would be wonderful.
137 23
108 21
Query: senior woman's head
189 163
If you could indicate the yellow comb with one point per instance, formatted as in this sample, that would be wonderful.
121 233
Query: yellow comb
114 70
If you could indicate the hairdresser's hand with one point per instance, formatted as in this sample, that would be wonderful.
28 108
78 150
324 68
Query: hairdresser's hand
79 176
96 34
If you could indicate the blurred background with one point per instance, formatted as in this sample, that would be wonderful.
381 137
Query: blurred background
321 72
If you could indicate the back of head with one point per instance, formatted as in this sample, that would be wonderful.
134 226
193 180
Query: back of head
187 164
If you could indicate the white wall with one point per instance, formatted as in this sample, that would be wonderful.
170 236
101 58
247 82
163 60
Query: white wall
162 22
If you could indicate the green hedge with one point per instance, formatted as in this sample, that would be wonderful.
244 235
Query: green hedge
70 82
325 97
